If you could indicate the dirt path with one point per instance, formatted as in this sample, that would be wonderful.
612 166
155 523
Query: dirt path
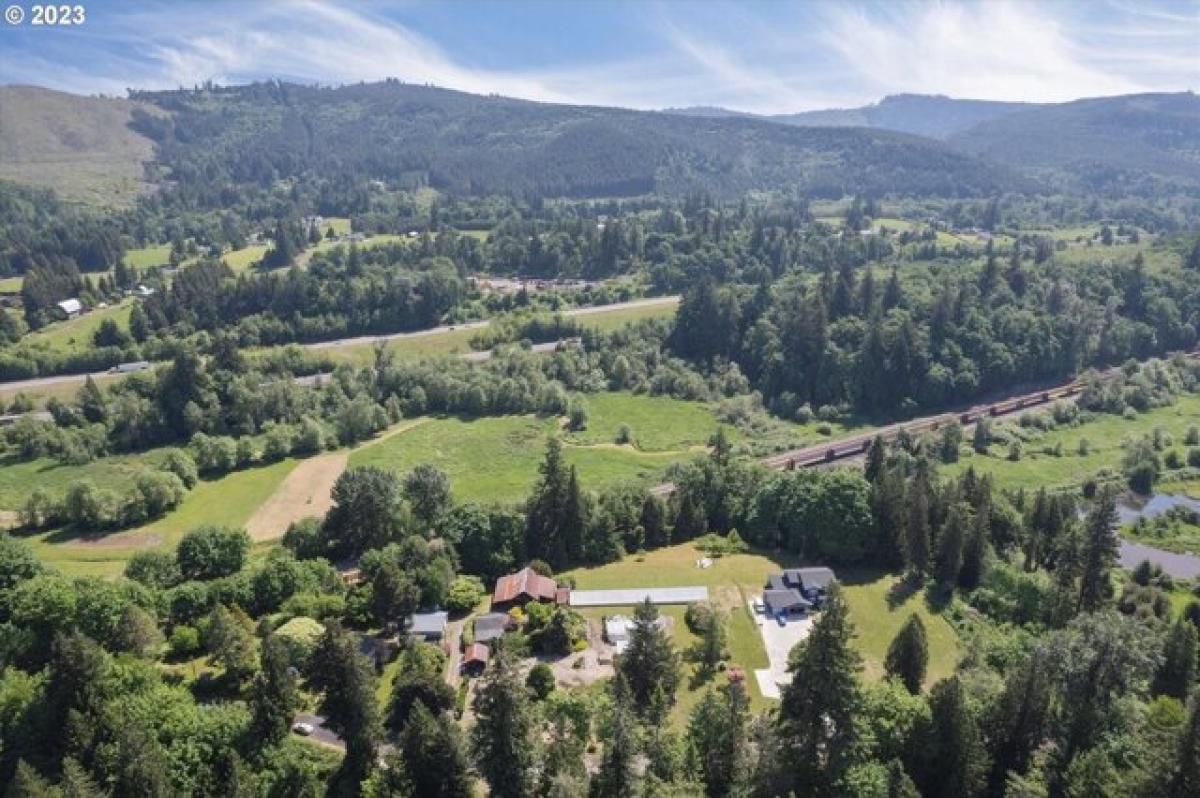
307 489
304 492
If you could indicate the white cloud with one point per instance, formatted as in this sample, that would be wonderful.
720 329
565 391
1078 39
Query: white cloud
766 58
991 50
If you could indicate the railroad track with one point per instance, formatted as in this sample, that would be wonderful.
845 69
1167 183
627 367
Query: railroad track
856 445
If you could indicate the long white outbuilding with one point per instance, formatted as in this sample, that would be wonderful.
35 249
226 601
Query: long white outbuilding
628 597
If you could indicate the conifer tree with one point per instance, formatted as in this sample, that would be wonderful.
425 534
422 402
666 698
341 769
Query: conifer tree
433 755
650 663
958 759
817 709
616 777
908 654
1176 673
274 696
1099 551
503 738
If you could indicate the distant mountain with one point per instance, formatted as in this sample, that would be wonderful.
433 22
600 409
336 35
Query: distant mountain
934 116
83 147
1133 144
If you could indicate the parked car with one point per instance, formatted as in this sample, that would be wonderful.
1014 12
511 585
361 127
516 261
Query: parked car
782 619
758 605
303 728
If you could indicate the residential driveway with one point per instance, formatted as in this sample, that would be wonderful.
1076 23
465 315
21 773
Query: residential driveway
778 641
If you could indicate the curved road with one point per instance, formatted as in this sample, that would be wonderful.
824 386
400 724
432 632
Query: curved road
662 301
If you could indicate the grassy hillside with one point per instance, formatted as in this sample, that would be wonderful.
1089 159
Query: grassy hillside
82 147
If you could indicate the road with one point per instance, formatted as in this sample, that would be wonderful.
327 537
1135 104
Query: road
66 379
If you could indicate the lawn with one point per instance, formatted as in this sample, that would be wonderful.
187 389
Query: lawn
514 447
75 335
11 285
876 621
1103 434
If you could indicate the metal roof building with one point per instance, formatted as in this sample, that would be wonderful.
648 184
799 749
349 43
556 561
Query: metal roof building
631 596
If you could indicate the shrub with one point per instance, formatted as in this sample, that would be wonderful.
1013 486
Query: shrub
465 594
208 552
540 681
1193 457
624 434
184 641
1084 447
1173 459
1192 437
577 414
1141 478
698 616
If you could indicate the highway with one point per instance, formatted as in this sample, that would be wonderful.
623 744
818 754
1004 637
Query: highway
66 379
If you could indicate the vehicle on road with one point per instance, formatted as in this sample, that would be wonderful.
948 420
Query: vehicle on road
304 729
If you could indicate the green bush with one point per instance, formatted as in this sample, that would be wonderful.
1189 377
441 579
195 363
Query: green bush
184 641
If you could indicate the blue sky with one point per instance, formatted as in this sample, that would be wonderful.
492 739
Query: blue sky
765 57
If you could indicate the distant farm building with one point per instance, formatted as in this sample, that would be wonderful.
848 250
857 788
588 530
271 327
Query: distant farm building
526 585
69 308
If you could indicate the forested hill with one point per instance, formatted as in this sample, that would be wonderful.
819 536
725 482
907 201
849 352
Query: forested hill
935 116
932 115
464 143
1133 144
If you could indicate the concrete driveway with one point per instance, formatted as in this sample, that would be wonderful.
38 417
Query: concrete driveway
778 641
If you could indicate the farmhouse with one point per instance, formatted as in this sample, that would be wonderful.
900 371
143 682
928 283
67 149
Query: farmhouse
475 659
526 585
69 308
429 626
492 625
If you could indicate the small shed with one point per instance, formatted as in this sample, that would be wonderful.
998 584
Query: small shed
429 626
475 659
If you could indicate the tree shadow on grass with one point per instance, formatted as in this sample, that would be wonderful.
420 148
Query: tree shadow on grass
903 590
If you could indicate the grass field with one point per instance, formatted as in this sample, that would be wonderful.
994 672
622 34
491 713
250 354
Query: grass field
496 459
75 335
145 257
242 259
1104 435
11 285
18 478
229 500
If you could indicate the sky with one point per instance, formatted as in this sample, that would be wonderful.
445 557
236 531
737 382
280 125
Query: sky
771 56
